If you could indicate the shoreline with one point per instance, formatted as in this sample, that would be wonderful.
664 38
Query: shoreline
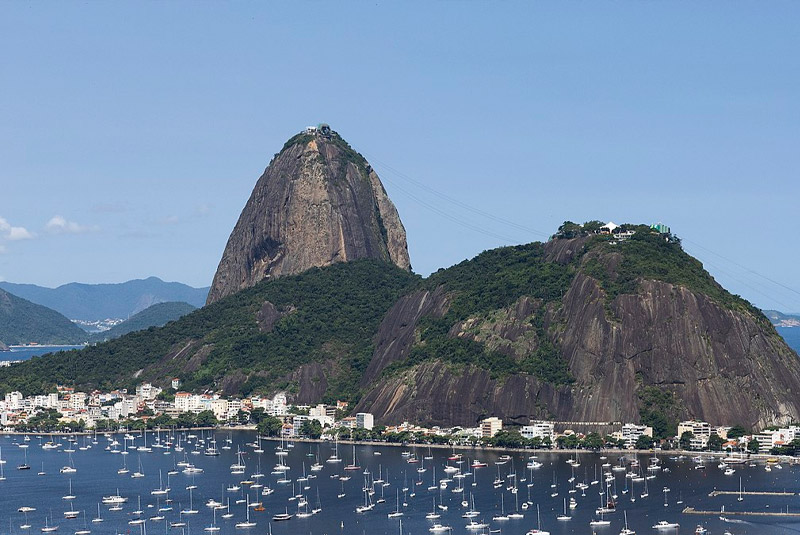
763 457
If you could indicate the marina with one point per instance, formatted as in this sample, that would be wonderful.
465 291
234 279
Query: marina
224 482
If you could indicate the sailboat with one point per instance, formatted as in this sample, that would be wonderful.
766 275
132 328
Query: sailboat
239 466
26 466
69 468
213 527
564 516
538 530
335 457
48 528
502 516
397 512
740 498
191 510
99 518
161 490
26 525
247 523
140 472
354 465
69 496
368 505
433 515
516 514
85 530
279 517
626 530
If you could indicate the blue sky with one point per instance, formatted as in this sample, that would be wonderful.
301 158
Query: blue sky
133 133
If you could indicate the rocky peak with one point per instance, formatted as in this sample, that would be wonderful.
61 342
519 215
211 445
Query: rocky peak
318 202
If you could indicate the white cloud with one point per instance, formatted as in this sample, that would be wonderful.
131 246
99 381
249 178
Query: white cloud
2 251
59 225
12 233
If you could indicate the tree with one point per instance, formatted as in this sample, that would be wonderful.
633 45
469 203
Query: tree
715 442
206 419
311 429
753 446
269 426
593 441
508 439
737 431
644 442
258 414
567 441
686 440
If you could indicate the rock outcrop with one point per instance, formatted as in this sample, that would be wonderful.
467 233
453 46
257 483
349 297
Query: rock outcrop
318 202
718 364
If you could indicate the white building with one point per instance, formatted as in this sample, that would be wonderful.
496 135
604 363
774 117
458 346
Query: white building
539 429
220 409
14 401
630 433
365 420
77 400
701 431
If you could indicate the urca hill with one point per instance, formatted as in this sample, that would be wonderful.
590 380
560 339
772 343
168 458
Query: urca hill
314 297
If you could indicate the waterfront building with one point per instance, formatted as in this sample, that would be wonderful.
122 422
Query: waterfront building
490 426
365 420
630 433
539 429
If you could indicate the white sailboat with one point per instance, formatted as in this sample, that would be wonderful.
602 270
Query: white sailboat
564 516
626 530
247 523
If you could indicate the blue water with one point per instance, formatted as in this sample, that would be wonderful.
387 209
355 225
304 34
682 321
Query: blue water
791 335
24 353
97 476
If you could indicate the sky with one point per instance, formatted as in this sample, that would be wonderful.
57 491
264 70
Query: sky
132 133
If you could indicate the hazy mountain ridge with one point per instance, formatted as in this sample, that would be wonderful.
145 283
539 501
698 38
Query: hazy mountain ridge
95 302
154 316
781 319
23 322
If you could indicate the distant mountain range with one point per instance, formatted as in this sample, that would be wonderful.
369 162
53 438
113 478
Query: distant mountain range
96 302
154 316
22 322
781 319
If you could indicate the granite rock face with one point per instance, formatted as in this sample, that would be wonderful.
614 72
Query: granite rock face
722 366
319 202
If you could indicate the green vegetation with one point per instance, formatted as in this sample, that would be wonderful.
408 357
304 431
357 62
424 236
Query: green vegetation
649 255
659 409
494 280
329 314
22 322
154 316
737 431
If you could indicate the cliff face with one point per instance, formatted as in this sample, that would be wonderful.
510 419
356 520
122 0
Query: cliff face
319 202
712 363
